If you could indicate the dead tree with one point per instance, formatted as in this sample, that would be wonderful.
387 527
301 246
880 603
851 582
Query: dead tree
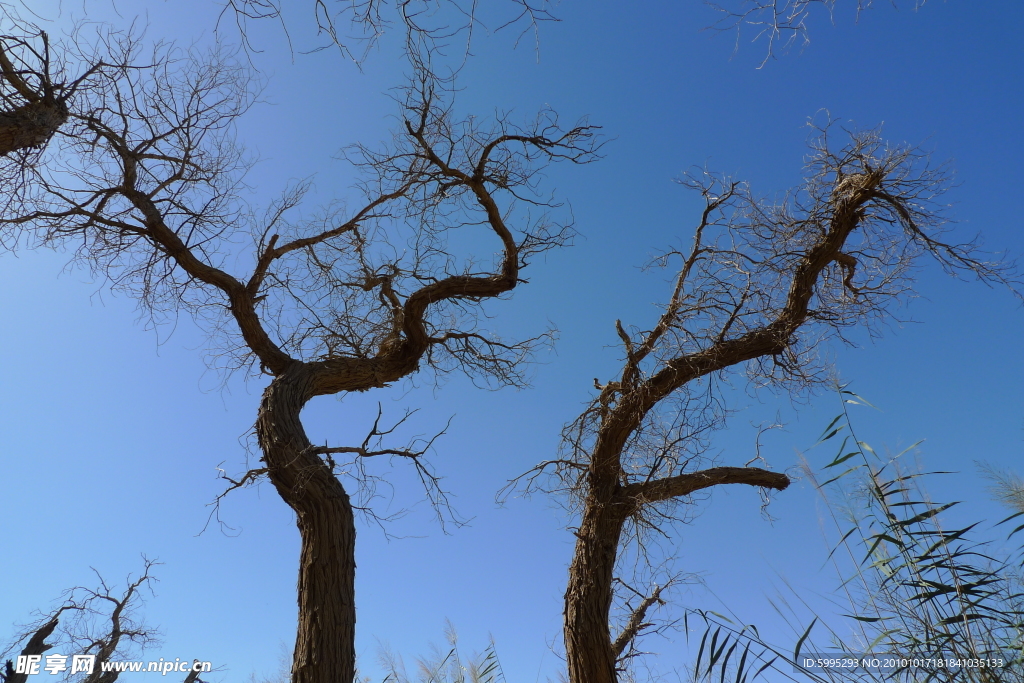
340 301
99 622
355 28
781 23
762 286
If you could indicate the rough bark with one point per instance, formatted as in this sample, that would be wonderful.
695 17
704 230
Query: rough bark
589 653
31 125
325 644
40 113
325 640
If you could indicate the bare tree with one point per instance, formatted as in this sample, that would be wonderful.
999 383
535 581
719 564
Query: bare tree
99 622
41 82
355 27
147 186
760 289
780 23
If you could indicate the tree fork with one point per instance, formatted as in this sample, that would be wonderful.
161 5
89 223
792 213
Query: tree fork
590 653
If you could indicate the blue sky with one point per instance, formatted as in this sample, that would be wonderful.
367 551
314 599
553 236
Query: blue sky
111 432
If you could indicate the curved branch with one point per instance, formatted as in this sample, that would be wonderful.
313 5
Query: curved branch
242 303
770 339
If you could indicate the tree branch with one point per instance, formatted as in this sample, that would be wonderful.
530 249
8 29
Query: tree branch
36 645
636 621
638 494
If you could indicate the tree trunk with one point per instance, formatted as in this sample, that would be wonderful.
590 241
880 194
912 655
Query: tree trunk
324 643
35 646
30 125
589 653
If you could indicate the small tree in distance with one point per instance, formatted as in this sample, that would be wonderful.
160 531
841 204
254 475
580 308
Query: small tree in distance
762 286
100 622
146 184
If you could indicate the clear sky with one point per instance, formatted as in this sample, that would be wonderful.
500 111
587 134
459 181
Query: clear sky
111 433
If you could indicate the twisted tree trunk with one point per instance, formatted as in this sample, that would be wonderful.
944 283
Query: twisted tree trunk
325 643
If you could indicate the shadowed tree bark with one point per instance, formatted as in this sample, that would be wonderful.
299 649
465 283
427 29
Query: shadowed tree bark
36 645
762 286
149 190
